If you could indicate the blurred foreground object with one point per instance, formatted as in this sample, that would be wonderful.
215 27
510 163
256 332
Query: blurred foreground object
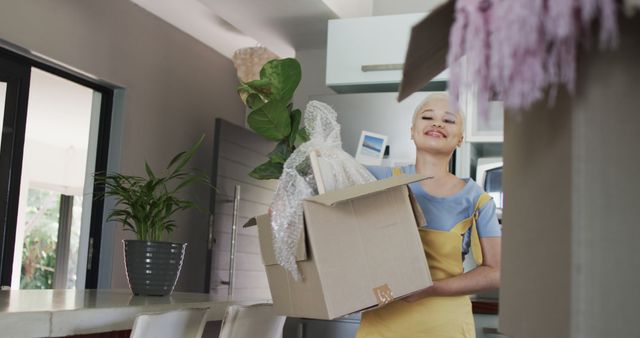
505 50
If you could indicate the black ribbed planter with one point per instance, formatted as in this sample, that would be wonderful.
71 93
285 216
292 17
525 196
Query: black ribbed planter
153 267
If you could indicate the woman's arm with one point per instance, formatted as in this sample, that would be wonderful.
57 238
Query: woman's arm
482 278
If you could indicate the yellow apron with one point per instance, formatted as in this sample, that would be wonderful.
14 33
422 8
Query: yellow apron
432 317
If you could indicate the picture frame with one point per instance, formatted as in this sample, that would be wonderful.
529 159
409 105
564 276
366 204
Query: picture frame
371 147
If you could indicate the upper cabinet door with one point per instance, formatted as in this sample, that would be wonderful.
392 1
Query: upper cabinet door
485 128
367 54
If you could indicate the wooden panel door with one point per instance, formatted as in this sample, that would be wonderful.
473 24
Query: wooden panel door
236 152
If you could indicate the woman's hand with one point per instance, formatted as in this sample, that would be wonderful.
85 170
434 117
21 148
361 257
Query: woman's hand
482 278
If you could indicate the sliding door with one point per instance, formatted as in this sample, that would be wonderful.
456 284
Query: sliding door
14 90
55 128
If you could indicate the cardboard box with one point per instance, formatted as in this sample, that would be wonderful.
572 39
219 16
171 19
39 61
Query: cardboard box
360 244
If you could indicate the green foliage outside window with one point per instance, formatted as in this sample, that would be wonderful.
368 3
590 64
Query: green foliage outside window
39 249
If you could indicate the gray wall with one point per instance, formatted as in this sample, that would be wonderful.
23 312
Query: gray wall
606 164
536 280
175 87
570 253
314 64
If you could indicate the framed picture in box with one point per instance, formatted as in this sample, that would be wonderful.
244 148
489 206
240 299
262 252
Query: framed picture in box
371 148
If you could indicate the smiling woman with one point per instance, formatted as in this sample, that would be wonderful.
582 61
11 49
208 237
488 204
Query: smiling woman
434 120
461 218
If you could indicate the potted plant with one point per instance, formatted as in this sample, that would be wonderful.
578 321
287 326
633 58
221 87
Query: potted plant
272 115
146 206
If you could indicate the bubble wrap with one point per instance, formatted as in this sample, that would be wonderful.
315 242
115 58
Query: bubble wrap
293 187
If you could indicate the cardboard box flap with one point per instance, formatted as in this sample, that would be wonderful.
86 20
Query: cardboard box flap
265 236
421 221
332 197
427 50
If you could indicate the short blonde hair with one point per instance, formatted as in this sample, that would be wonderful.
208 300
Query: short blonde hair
435 96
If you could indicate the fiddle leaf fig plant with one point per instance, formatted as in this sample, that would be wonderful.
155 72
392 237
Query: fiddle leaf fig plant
146 205
272 115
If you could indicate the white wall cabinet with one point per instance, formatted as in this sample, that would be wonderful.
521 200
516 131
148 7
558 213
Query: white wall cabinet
483 134
379 113
468 153
489 128
367 54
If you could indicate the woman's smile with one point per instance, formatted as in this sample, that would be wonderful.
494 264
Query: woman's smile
435 133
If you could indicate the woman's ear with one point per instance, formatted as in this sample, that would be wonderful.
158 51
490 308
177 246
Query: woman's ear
461 140
411 132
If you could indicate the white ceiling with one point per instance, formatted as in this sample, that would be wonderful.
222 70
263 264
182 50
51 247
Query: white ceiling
283 26
197 20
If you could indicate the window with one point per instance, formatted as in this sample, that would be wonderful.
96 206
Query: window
55 136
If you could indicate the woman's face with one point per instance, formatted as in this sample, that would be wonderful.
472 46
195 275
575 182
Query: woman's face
436 128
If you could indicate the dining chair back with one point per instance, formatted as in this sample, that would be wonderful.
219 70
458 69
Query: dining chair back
253 321
183 323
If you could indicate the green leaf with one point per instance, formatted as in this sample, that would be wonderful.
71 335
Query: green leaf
175 159
261 86
271 120
284 76
189 181
146 205
267 170
301 137
185 157
281 153
296 118
148 170
254 101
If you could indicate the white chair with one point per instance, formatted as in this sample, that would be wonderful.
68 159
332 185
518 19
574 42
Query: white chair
181 323
253 321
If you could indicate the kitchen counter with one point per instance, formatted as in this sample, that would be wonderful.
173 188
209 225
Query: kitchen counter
53 313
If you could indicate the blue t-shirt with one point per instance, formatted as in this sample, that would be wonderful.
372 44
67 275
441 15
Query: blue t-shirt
443 213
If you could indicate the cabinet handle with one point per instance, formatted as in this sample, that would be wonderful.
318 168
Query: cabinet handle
382 67
234 235
212 239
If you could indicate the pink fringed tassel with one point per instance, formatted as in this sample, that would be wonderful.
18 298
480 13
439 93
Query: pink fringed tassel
479 58
457 50
608 24
518 41
470 36
517 48
558 21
